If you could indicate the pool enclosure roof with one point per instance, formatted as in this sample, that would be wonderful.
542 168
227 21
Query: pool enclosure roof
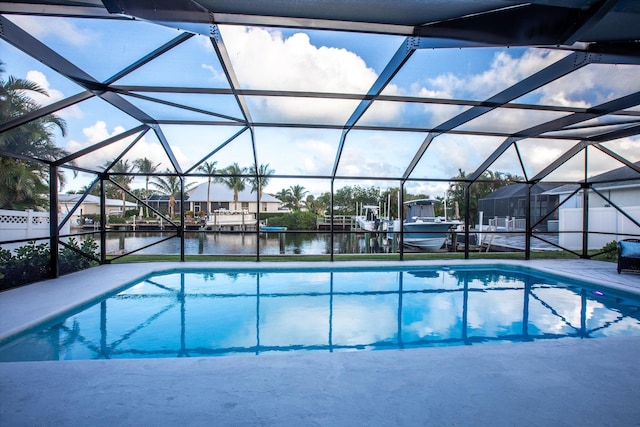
405 91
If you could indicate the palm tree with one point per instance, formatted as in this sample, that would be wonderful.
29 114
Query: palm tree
315 205
170 186
297 195
122 167
260 178
234 181
27 188
146 167
285 197
208 168
33 139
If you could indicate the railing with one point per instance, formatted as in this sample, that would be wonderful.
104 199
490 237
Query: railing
507 223
339 221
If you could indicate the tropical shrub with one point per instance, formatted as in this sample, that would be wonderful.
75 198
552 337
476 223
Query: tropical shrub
70 260
297 220
610 252
30 263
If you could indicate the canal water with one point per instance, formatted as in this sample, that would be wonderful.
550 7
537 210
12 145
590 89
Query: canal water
272 243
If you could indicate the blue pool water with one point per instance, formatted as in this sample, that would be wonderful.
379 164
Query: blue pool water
195 313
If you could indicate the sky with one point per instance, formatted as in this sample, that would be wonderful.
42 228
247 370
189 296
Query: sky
316 61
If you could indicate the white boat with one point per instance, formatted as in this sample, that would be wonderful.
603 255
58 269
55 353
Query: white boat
228 220
370 220
421 228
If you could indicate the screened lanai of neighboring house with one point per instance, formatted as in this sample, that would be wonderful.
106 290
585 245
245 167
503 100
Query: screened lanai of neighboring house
410 99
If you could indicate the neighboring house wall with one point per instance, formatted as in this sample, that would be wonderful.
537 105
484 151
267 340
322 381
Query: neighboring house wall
221 197
621 187
567 202
162 205
601 220
89 206
242 206
621 196
83 209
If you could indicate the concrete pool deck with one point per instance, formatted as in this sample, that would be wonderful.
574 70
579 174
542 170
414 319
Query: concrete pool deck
556 383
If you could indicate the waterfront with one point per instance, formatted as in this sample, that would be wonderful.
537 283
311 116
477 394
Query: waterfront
120 243
237 243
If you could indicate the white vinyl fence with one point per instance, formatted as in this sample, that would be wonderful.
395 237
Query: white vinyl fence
15 225
606 220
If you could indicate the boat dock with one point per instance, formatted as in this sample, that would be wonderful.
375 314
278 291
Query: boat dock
340 222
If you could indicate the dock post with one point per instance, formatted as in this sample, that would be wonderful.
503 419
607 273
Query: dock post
201 242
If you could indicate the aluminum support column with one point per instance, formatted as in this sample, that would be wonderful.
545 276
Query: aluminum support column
401 220
331 224
585 220
181 227
527 226
54 269
467 198
103 220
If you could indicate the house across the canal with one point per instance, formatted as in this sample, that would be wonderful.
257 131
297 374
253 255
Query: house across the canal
220 198
90 206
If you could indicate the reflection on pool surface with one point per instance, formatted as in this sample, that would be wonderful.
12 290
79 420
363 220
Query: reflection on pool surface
197 313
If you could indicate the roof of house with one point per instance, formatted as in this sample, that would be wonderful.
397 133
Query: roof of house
617 178
222 193
91 199
165 198
518 190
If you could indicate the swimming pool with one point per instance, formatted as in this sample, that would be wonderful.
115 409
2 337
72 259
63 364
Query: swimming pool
198 312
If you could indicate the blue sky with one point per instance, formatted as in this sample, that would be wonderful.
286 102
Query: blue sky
312 61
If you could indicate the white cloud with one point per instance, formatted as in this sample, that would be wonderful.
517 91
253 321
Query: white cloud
295 64
504 70
592 85
38 77
216 76
55 29
433 315
97 159
629 148
319 157
363 321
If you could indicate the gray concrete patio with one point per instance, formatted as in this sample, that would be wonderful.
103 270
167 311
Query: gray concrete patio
553 383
